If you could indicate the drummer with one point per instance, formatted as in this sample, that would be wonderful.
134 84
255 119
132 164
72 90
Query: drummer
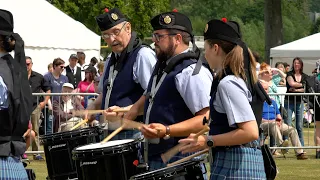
127 73
180 99
233 130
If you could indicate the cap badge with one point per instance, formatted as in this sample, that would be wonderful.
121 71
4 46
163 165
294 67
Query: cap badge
167 19
114 16
206 28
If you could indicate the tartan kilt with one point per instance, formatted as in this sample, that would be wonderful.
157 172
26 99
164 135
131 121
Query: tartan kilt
238 163
11 168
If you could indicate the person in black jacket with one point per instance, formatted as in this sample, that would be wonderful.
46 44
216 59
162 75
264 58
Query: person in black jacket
15 100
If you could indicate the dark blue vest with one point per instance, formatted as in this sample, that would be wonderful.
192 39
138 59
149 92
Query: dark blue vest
219 121
125 90
168 107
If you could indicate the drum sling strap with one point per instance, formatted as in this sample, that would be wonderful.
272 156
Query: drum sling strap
159 74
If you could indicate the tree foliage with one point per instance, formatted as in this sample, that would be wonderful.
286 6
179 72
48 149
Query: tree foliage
249 13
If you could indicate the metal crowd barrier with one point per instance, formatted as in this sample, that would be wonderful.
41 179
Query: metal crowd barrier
47 112
306 130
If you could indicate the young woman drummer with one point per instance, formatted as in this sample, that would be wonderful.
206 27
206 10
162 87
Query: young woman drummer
234 132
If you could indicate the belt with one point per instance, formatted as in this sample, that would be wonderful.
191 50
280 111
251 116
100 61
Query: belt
253 144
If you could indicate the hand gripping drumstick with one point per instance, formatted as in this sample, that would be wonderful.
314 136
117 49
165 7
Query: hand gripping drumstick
79 124
188 157
175 150
126 124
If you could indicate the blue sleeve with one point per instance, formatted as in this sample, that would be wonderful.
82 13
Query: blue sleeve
3 95
143 67
194 89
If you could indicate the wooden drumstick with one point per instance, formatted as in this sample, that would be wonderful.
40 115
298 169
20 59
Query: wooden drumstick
175 150
115 132
188 157
87 112
79 124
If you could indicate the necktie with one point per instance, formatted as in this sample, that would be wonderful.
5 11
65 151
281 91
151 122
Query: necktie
72 71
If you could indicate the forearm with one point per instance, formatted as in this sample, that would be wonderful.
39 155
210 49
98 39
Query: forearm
46 98
139 105
282 74
238 136
185 128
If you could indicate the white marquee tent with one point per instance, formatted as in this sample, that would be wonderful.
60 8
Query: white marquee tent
308 49
49 33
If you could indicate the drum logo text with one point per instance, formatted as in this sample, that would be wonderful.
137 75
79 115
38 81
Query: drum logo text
56 146
88 163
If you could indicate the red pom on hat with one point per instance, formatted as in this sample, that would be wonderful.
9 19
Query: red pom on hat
135 162
174 10
106 10
224 19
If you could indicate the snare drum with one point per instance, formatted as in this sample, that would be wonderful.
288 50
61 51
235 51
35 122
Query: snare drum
112 160
58 148
190 170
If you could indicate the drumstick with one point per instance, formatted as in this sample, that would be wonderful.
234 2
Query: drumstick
87 112
188 157
79 124
112 134
175 150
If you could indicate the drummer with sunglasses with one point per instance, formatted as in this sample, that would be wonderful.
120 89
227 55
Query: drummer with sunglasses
176 100
126 74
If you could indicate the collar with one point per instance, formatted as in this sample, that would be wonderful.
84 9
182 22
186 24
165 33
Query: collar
3 54
32 73
185 51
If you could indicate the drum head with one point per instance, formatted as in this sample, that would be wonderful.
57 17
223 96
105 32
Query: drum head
104 145
182 169
91 131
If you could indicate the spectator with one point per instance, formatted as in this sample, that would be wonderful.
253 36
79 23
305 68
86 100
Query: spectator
38 85
56 80
29 136
82 63
286 67
295 80
72 71
93 61
280 76
272 125
100 67
50 69
65 120
87 85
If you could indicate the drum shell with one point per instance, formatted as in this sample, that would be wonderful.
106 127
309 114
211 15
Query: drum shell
58 150
190 170
116 162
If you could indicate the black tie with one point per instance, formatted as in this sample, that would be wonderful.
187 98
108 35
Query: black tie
72 71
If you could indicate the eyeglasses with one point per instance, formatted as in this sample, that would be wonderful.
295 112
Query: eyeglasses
62 67
28 64
157 37
115 33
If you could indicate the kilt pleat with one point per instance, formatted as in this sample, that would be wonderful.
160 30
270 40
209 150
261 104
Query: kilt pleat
11 168
238 163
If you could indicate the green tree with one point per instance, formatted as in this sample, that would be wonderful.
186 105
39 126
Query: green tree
139 12
316 27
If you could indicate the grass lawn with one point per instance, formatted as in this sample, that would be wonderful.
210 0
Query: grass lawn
289 168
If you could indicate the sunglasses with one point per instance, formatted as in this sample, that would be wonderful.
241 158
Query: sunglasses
62 67
28 64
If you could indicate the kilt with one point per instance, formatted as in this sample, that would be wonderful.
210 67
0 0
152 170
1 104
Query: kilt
11 168
156 162
238 163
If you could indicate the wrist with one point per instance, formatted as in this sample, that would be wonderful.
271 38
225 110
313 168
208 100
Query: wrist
167 133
